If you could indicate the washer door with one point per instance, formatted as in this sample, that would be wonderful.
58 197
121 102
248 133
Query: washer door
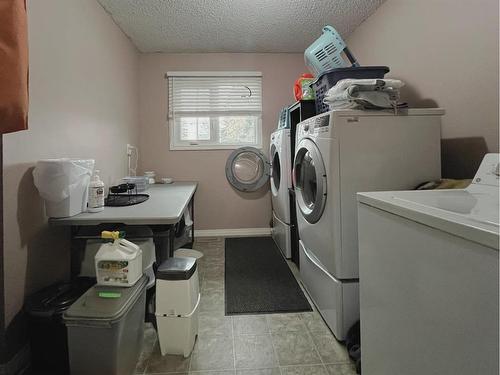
310 180
275 177
247 169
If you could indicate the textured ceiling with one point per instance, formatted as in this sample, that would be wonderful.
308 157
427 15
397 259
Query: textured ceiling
234 25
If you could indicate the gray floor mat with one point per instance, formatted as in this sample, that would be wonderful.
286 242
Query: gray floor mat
258 280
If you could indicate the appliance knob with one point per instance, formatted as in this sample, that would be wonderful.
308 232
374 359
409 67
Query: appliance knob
306 127
496 170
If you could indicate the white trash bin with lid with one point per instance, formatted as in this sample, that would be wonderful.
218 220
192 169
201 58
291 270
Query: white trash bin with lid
177 302
63 184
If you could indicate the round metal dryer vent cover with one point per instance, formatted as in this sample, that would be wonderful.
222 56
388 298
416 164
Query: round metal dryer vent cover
247 169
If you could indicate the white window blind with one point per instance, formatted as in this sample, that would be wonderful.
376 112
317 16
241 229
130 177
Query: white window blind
212 110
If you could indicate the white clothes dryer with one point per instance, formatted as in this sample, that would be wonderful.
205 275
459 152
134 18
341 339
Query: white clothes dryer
280 181
338 154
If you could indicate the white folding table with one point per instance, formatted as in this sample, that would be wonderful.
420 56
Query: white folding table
161 212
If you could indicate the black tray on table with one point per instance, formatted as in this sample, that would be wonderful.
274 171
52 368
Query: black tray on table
124 195
117 200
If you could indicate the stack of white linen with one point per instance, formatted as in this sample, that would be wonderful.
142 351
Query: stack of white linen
364 94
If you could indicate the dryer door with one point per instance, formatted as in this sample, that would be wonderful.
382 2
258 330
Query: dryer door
310 180
275 171
247 169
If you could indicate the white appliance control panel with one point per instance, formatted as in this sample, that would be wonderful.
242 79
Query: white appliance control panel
313 125
489 171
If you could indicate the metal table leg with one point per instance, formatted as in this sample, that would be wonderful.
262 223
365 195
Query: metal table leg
77 253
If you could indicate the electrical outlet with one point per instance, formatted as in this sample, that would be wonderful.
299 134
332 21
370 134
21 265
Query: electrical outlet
130 149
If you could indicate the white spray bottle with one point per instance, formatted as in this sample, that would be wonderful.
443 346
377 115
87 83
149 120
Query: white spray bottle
96 194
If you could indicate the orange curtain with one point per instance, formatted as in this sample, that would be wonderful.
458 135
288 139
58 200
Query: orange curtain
13 66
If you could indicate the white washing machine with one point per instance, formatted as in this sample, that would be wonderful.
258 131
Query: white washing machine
338 154
429 278
281 181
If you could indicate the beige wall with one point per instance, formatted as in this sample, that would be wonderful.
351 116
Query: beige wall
83 103
218 205
447 53
89 90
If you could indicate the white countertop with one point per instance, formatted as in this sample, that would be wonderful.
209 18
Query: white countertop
470 213
165 205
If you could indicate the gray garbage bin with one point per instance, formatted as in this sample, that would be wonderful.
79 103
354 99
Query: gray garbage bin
105 329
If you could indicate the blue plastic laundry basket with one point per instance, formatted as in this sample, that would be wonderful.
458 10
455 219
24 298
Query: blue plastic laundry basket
328 52
328 79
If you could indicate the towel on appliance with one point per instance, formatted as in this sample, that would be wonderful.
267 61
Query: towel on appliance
444 183
364 93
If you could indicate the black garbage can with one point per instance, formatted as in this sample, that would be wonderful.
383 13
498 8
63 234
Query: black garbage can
48 338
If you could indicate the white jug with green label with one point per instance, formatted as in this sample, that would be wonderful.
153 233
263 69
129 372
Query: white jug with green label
118 263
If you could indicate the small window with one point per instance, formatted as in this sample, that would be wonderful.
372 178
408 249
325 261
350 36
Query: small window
214 110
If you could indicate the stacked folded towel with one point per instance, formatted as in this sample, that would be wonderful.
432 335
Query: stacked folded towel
364 94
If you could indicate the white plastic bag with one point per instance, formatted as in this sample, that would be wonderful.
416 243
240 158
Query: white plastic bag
63 184
56 179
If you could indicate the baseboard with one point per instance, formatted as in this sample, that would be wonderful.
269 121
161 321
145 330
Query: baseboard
241 232
19 362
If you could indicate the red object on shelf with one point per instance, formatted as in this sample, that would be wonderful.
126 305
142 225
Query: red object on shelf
13 66
297 88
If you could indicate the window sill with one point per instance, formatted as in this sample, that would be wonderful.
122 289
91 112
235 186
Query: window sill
212 148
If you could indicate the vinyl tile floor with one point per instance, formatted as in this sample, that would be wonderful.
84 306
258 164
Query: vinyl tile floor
266 344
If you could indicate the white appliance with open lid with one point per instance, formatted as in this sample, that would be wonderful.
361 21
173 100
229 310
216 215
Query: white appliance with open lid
429 266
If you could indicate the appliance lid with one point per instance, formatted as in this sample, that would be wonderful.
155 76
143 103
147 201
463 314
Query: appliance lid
489 171
471 213
247 169
104 303
476 206
181 268
57 298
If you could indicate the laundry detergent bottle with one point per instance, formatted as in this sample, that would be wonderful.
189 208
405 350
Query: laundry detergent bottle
118 263
96 194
